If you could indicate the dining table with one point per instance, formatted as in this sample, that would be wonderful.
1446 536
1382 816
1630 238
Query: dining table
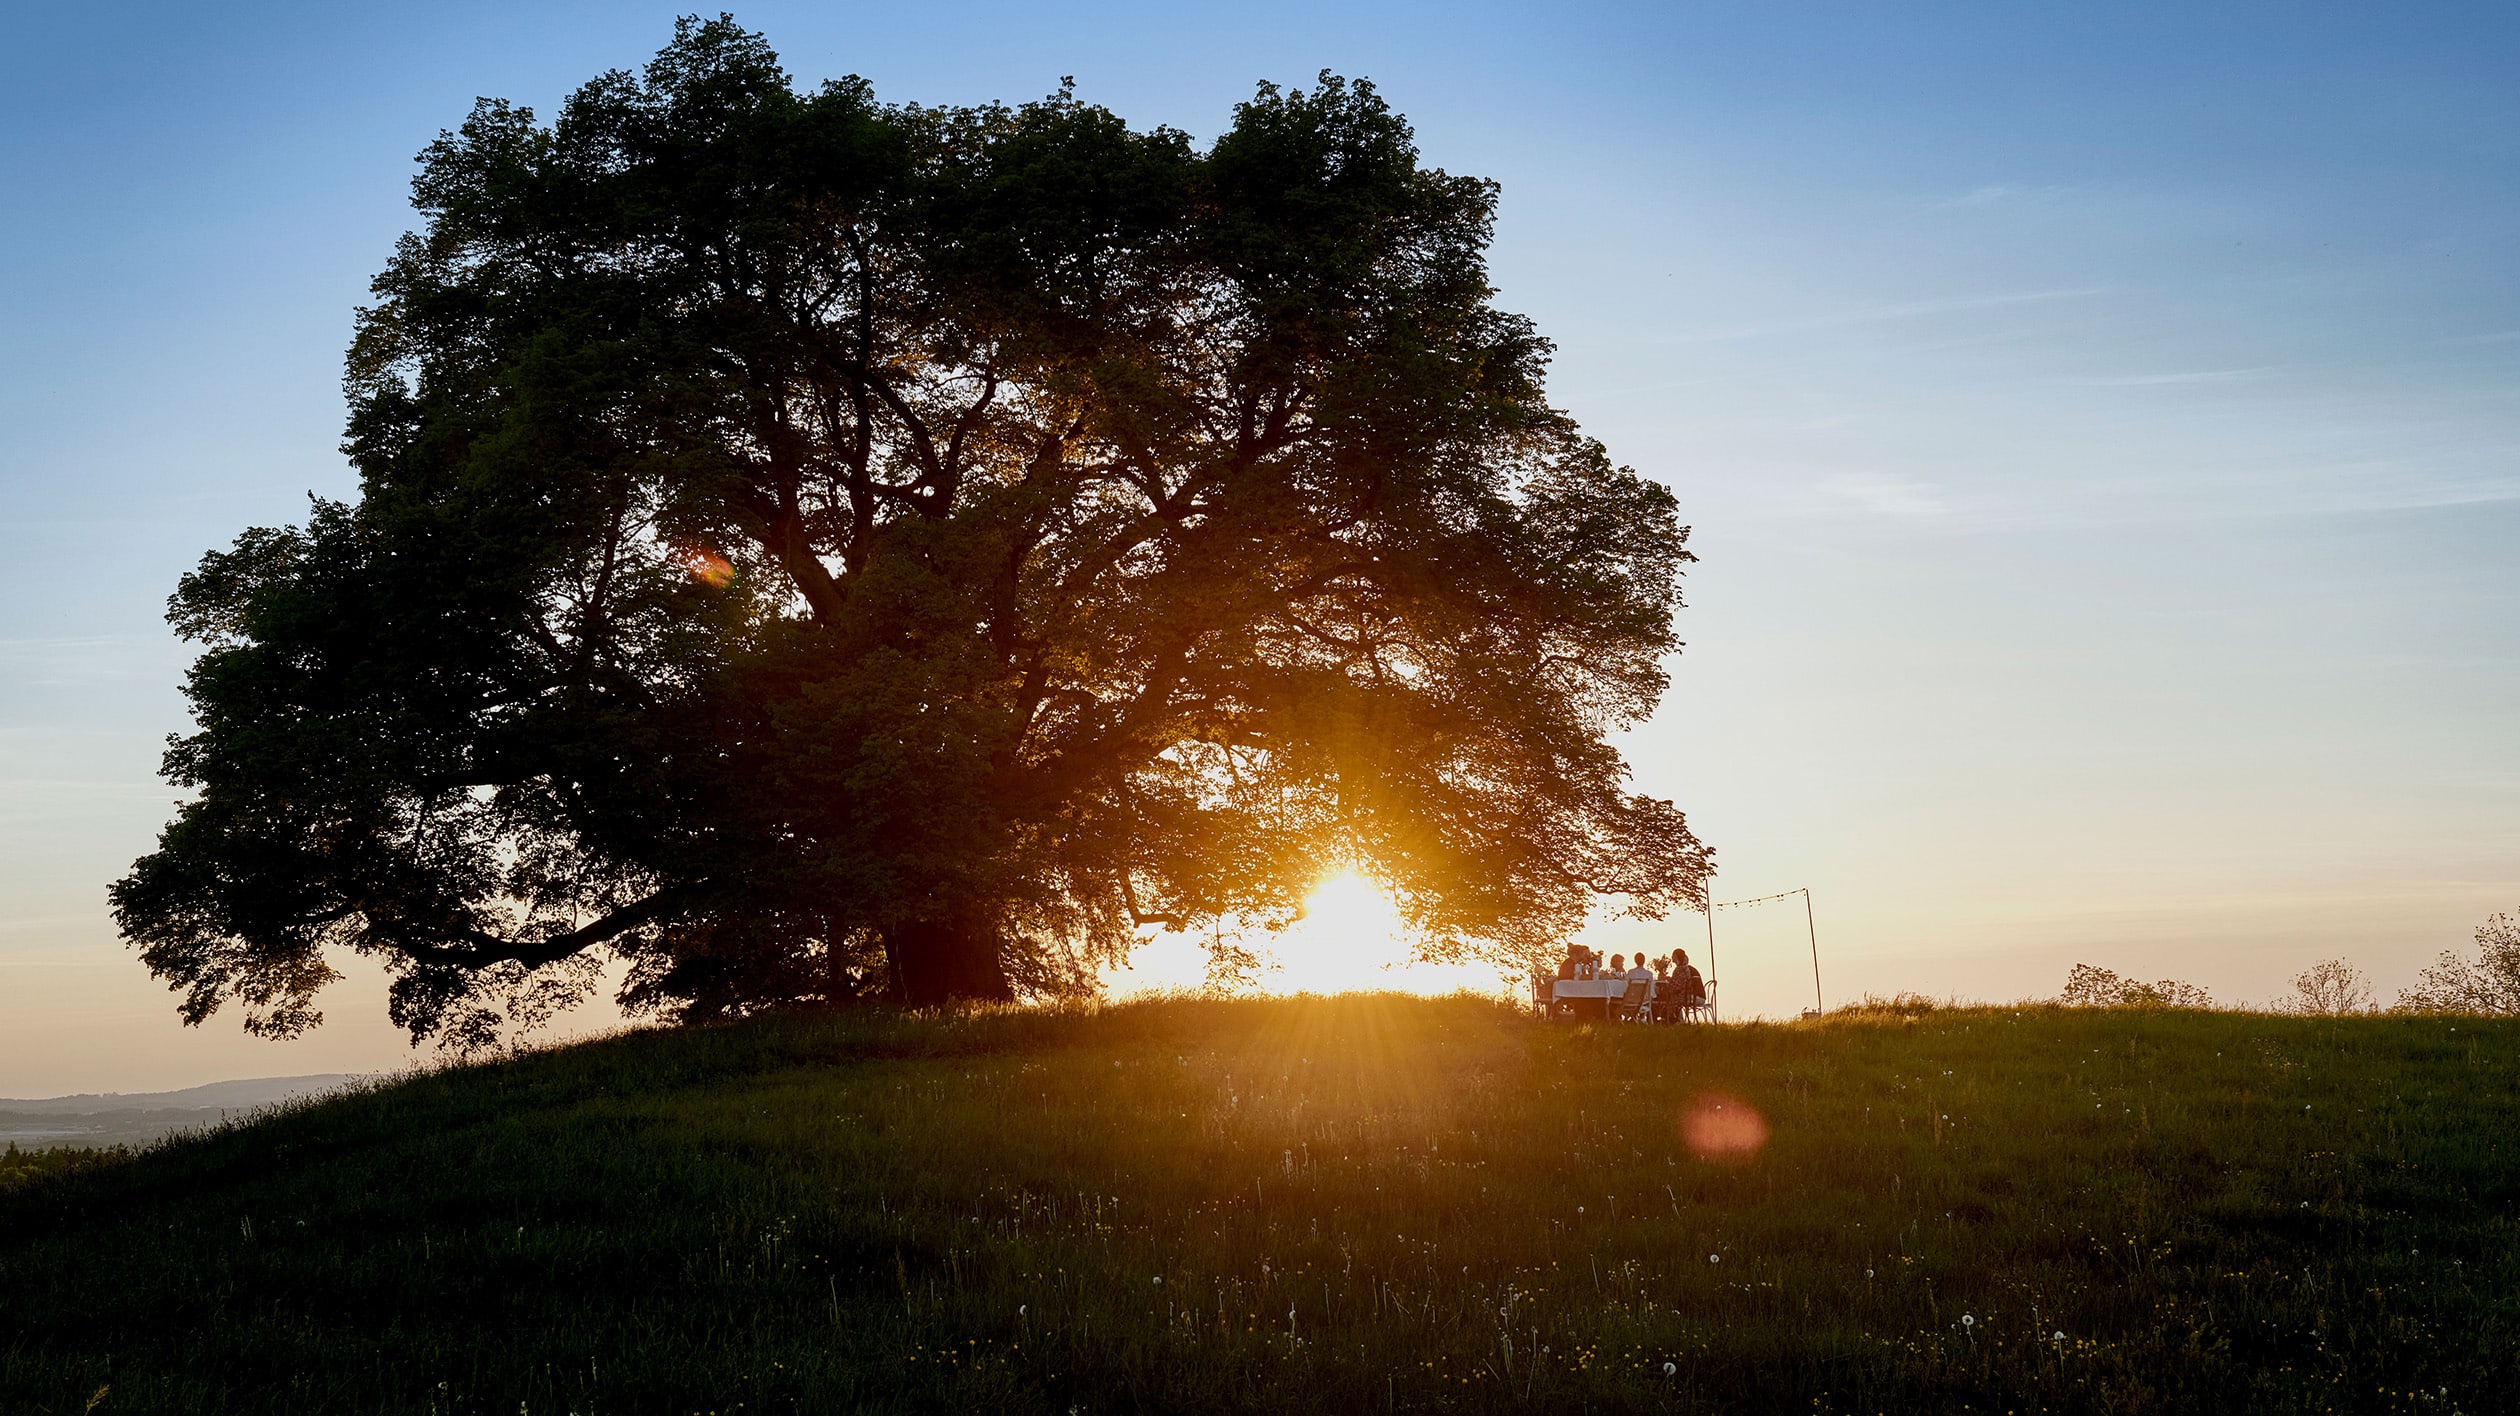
1592 995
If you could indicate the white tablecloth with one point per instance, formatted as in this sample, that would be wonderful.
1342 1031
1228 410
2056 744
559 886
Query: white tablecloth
1592 988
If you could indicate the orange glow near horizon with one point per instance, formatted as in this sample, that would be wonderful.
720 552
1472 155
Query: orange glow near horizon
1351 939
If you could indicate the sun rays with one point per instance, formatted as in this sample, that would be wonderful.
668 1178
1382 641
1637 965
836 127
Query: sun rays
1349 938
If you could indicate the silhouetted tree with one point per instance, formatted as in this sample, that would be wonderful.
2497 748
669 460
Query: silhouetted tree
808 547
2330 988
2089 986
2488 984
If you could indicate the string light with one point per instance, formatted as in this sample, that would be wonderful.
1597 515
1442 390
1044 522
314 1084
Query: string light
1813 929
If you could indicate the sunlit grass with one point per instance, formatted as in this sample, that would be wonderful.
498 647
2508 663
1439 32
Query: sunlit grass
1356 1204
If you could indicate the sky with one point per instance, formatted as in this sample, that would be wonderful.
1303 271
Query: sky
2099 425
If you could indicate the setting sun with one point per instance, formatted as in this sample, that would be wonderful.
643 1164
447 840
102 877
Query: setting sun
1350 938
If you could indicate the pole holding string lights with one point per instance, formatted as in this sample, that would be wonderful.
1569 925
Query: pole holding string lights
1809 927
1714 997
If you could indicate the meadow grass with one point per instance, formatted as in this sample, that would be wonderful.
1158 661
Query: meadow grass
1356 1204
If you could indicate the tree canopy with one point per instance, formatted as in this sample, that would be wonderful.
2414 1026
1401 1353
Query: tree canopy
2488 985
811 548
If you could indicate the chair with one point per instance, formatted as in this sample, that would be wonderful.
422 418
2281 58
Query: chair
1630 1007
1544 997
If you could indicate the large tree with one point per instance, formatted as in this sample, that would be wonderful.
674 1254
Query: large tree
812 548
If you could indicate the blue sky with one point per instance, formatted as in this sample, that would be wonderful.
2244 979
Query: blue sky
2100 425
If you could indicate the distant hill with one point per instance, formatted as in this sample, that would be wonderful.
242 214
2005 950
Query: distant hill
1364 1204
138 1118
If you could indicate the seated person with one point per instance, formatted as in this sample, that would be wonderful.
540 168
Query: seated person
1566 965
1692 986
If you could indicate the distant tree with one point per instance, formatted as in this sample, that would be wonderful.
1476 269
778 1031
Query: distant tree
809 548
2087 986
2330 988
2489 984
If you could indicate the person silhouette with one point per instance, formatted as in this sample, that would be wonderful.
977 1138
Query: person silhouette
1692 988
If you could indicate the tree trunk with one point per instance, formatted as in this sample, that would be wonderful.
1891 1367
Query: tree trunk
839 986
947 961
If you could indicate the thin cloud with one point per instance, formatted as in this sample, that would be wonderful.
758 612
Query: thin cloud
57 642
1886 494
1883 314
2003 192
2194 376
56 661
20 923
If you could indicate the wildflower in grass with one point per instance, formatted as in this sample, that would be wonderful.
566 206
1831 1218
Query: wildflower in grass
1671 1369
1714 1258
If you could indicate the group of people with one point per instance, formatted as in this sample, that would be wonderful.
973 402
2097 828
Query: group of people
1677 984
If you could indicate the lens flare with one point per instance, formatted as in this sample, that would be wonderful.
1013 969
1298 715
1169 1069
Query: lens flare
1723 1128
707 567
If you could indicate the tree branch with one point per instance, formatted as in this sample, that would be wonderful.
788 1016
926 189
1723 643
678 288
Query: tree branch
487 948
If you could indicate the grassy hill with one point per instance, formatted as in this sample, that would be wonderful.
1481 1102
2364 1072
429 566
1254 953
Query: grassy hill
1361 1204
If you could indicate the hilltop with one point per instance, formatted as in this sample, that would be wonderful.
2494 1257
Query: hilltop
1355 1204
